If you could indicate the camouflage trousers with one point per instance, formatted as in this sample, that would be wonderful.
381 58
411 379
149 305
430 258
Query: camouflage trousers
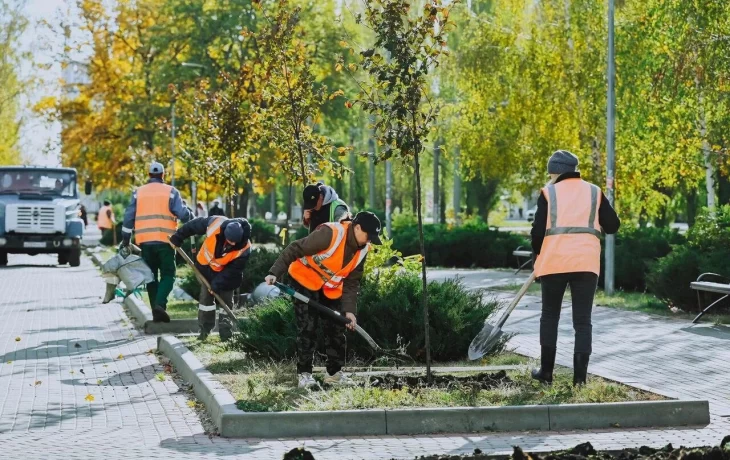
308 319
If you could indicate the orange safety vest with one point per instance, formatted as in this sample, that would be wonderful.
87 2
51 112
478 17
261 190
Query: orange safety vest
572 234
103 221
153 220
206 256
326 270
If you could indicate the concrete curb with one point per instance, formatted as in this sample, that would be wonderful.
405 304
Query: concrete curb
142 317
94 258
640 414
233 422
218 401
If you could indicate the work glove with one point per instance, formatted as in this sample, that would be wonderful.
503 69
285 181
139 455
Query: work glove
176 240
124 249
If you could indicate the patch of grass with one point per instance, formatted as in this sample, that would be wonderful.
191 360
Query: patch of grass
182 309
269 386
506 358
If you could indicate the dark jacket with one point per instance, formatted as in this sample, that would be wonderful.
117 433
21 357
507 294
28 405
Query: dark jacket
231 276
216 211
318 241
317 218
607 218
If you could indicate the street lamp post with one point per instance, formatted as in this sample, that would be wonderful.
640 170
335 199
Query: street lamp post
610 147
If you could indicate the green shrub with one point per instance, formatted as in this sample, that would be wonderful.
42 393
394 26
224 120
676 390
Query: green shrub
268 331
390 312
189 282
474 245
262 232
257 268
708 250
637 249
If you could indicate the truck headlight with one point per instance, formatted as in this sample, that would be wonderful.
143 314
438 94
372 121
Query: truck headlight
67 242
3 241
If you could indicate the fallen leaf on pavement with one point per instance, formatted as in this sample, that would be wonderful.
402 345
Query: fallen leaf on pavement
17 339
10 362
191 403
121 356
70 372
38 382
98 382
89 397
82 371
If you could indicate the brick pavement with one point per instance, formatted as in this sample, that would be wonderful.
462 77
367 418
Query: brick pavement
133 415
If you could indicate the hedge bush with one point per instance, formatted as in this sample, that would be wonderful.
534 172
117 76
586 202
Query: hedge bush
708 250
390 312
473 245
637 250
262 232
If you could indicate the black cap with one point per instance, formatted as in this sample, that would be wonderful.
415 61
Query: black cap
311 196
370 224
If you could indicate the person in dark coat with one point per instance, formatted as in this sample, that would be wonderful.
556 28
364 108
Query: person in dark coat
216 210
321 204
221 260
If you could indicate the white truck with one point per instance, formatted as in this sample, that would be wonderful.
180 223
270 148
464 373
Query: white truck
39 213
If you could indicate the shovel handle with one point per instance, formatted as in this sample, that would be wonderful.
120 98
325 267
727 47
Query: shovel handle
334 315
516 300
205 283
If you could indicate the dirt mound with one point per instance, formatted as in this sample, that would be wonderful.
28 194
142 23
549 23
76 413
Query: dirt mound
482 381
585 451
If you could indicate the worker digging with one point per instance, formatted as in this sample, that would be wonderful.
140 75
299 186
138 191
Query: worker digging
221 260
327 265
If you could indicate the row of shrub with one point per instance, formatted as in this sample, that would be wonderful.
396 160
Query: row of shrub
470 245
390 312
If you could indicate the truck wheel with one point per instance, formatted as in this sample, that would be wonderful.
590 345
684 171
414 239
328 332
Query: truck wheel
62 258
3 258
74 257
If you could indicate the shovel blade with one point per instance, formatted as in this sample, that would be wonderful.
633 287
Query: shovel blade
487 338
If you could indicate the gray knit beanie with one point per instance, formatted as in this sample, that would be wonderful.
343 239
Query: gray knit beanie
562 161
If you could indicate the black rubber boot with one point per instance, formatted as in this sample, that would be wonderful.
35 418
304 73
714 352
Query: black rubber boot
547 364
159 315
225 327
580 368
206 323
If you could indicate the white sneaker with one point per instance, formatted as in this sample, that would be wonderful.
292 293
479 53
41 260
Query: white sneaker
306 380
339 379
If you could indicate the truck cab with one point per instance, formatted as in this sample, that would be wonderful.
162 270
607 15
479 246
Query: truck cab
39 213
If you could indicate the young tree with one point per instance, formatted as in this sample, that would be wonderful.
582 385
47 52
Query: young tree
12 25
409 44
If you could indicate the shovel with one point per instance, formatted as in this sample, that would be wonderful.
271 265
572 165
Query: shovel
206 285
338 318
490 334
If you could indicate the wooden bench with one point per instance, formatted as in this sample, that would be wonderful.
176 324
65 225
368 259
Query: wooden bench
519 252
707 286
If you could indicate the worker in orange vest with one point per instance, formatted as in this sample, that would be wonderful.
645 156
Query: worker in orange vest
221 260
105 219
152 216
570 218
327 266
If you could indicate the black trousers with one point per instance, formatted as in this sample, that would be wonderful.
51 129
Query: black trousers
582 289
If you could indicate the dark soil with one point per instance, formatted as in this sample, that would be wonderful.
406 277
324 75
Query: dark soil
580 452
483 381
586 451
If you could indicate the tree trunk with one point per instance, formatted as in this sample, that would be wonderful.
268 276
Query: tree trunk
289 204
709 173
691 197
723 190
424 296
457 185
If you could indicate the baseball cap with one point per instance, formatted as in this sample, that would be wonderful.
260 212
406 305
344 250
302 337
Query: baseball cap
370 224
156 168
311 195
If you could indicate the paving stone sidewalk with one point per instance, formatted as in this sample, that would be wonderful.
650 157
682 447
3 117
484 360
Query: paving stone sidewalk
71 347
